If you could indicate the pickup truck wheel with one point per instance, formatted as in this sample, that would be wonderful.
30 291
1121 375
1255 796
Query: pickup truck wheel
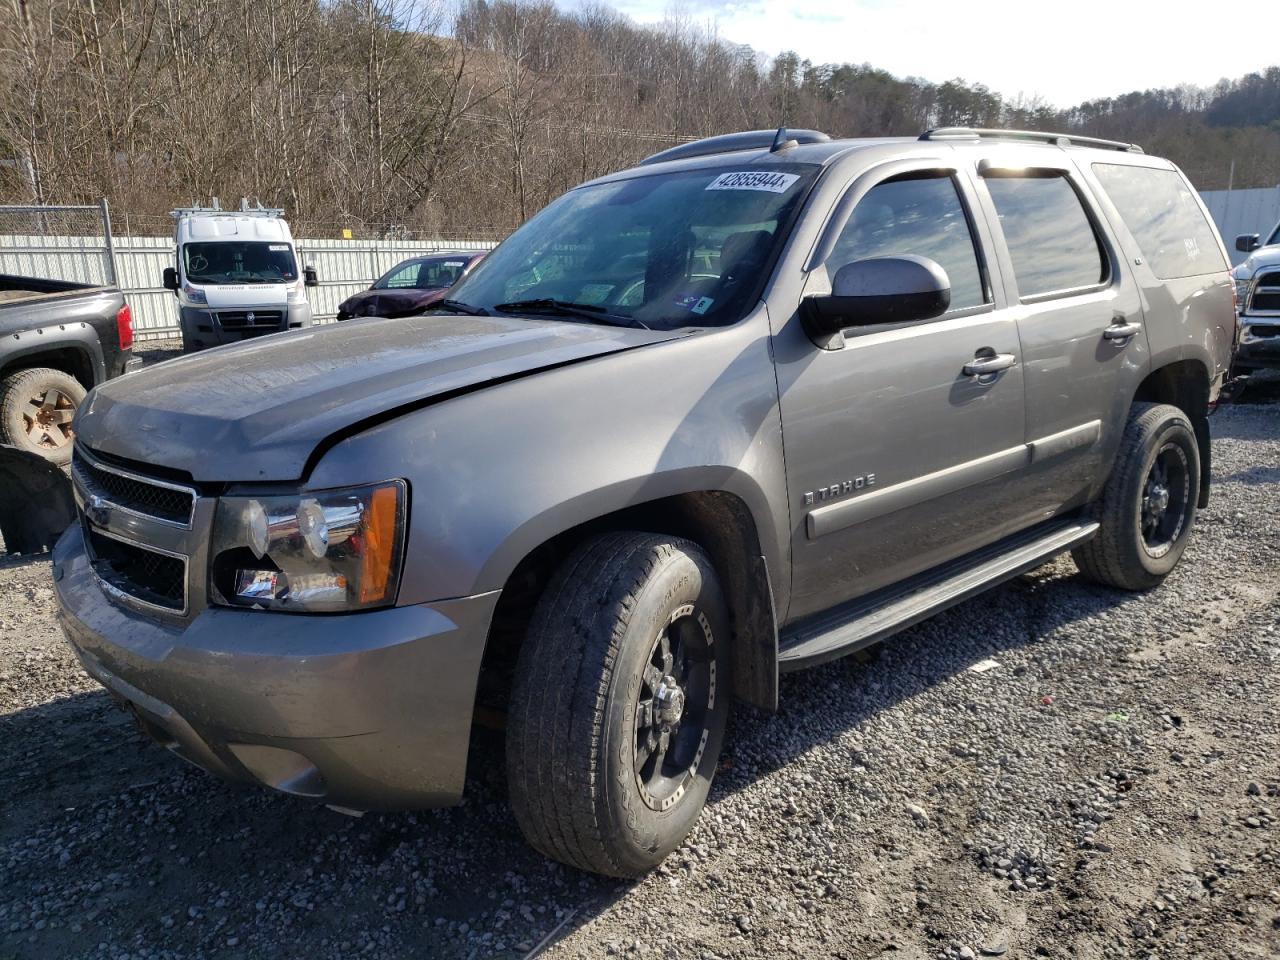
1148 505
36 408
619 704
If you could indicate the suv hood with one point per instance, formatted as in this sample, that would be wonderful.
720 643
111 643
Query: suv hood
257 410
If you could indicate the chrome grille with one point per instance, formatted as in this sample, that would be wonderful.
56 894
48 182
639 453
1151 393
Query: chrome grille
138 532
151 498
155 579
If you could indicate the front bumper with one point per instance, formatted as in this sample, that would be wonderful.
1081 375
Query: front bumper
212 326
1259 342
370 711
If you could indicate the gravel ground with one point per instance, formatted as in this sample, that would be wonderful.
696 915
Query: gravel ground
1109 788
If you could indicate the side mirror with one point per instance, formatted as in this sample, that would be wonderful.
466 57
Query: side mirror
1248 242
879 290
171 279
309 277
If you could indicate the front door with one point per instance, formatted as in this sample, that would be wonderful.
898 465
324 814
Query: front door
896 457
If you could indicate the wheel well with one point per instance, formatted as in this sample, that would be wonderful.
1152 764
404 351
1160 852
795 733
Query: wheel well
1185 385
67 359
720 523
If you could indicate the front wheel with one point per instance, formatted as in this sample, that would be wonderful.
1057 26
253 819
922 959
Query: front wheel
1148 505
620 704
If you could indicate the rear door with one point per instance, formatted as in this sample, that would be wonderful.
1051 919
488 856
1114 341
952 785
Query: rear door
1079 318
897 459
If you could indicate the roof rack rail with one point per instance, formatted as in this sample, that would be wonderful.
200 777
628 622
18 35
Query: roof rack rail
771 140
215 210
1031 136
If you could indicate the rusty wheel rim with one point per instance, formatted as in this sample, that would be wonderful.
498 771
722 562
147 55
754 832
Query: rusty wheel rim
47 419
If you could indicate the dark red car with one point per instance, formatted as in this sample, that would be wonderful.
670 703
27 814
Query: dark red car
412 286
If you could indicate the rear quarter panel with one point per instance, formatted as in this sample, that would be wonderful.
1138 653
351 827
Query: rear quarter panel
1187 318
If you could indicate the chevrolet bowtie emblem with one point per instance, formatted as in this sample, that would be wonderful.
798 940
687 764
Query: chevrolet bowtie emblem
98 511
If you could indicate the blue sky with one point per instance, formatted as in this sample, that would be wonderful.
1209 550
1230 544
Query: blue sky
1099 48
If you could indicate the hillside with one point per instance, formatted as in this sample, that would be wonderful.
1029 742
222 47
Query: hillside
380 115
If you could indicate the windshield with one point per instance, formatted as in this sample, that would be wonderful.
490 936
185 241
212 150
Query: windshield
666 250
424 274
231 261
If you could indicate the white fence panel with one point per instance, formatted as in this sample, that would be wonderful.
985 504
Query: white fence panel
344 267
1243 211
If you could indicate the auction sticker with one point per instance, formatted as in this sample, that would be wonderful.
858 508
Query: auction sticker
755 180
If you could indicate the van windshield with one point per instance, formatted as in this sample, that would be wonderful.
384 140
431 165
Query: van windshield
234 261
663 251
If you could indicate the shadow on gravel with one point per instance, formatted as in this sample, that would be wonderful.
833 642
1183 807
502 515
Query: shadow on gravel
106 838
1254 476
1022 613
103 830
19 561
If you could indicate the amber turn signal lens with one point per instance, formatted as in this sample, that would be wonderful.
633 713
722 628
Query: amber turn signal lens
379 544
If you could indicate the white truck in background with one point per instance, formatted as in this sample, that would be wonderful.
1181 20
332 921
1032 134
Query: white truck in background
236 275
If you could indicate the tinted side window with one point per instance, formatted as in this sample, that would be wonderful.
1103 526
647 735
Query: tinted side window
1050 238
924 217
1158 208
406 276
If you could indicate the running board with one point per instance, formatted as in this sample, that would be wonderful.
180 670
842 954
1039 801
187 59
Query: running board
867 620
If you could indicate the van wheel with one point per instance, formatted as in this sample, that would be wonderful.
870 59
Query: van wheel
36 408
620 704
1148 505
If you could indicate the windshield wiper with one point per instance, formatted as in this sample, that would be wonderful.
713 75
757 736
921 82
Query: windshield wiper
457 306
589 311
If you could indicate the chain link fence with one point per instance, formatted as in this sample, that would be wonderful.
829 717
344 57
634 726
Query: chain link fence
60 242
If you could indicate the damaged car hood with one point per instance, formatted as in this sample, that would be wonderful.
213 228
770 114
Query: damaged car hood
386 303
257 410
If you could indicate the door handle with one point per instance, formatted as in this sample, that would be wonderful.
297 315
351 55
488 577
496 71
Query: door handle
986 364
1120 330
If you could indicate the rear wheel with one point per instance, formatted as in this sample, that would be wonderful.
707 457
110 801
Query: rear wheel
620 704
36 409
1148 505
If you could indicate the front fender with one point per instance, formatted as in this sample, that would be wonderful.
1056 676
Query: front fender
495 473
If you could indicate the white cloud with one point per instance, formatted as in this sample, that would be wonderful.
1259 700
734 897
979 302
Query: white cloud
1093 48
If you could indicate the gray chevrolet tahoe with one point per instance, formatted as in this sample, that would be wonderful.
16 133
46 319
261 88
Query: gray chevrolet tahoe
754 404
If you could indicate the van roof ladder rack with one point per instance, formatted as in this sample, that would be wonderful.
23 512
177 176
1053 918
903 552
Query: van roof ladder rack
1030 136
215 210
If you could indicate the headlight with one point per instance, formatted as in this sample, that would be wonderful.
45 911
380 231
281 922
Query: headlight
318 552
296 293
194 294
1242 292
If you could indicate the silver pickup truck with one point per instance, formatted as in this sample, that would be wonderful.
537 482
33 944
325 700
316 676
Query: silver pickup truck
1258 297
759 402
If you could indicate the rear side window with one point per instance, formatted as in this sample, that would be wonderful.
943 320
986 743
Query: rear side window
920 216
1170 228
1051 241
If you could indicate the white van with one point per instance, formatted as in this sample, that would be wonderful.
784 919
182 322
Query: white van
237 275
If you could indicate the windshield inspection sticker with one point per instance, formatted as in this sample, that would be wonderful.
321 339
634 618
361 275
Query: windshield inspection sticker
695 303
755 180
278 246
